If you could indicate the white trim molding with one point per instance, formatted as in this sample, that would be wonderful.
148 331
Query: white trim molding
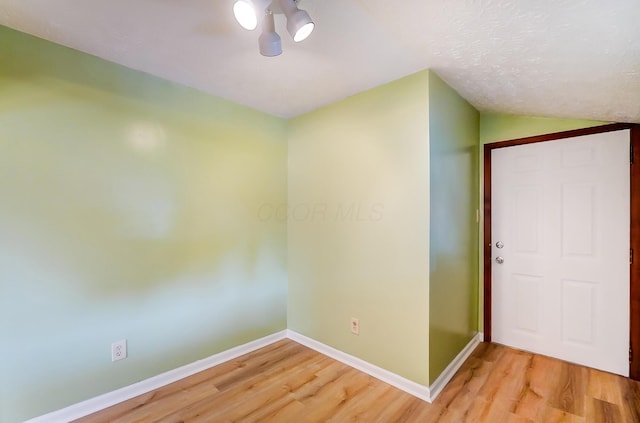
447 374
426 393
400 382
101 402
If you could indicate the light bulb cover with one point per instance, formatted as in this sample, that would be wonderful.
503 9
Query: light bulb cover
303 32
247 12
299 23
270 44
269 41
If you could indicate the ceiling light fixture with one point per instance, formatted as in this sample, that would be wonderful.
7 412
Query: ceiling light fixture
299 23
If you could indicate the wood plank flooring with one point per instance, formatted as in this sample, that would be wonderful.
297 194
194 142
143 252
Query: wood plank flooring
289 383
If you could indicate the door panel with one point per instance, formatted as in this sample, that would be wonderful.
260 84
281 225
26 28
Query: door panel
561 209
578 311
528 302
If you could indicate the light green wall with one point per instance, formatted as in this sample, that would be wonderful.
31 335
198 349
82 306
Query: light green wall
129 208
501 126
453 254
358 232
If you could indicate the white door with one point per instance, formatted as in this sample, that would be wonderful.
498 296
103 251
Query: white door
560 210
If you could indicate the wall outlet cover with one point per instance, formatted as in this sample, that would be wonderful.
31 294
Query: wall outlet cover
119 350
355 326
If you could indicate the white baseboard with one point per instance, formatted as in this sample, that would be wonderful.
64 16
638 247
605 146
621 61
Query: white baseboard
402 383
441 381
101 402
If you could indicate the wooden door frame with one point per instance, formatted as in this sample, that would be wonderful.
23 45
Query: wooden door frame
634 282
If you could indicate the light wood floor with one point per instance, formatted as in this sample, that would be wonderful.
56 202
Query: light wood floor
286 382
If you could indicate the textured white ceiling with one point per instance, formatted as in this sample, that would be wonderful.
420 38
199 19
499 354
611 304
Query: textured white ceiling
565 58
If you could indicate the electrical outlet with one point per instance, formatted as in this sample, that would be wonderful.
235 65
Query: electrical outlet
355 326
119 350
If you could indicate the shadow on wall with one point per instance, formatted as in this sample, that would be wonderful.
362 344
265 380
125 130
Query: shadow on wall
453 256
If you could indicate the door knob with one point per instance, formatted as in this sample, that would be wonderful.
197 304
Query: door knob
499 244
500 260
